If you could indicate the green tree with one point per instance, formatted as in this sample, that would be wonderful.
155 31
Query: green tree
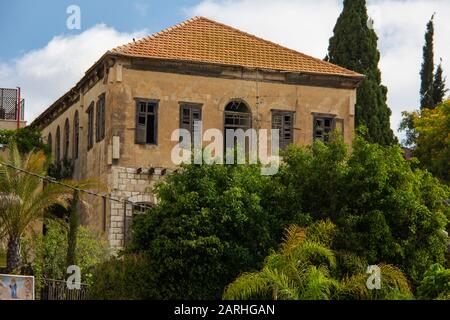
433 140
23 199
385 210
354 46
26 139
304 269
209 225
427 72
439 89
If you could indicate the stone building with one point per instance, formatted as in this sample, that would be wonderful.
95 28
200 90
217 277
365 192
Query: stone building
116 122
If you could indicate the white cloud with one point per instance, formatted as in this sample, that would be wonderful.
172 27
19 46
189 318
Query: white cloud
307 25
47 73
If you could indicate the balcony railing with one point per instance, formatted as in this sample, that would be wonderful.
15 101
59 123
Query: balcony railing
8 105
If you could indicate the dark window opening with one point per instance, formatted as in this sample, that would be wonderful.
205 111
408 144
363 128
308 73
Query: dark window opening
90 131
100 119
76 135
237 115
284 122
323 126
146 122
50 143
66 139
58 144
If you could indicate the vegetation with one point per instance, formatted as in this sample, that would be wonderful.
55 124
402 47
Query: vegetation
433 140
45 254
26 139
429 132
435 284
354 46
210 224
2 258
214 222
439 86
125 278
426 74
305 269
385 210
23 199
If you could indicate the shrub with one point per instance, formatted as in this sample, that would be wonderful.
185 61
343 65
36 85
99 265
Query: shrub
46 254
435 284
126 278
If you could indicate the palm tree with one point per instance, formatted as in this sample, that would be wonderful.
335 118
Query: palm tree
23 199
303 268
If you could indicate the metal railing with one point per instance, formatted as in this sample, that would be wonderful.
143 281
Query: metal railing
58 290
8 105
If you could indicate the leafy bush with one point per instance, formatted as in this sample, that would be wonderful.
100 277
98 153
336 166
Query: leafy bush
303 270
46 254
210 225
26 139
435 284
126 278
383 209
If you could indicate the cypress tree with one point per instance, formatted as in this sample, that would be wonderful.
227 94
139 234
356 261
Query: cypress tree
354 46
439 89
426 74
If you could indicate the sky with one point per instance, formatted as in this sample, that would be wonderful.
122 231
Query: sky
39 53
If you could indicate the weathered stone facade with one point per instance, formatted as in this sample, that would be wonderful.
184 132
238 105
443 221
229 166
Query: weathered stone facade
129 169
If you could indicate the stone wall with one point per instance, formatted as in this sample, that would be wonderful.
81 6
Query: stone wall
127 184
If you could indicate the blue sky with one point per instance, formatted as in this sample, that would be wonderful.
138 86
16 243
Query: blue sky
32 24
40 54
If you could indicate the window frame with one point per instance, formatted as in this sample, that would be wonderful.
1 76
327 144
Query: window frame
334 119
192 107
100 118
66 144
90 126
145 114
283 142
76 135
58 144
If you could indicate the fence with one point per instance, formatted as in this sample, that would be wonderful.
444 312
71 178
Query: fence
57 290
8 105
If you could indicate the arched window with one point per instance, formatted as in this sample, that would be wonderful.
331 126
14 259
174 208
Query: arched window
49 143
58 144
237 116
76 135
66 139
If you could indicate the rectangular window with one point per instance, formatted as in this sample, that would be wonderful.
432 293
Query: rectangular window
146 122
100 120
323 126
189 114
284 121
90 127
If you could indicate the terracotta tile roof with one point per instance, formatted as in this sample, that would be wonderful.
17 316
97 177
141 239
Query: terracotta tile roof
203 40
